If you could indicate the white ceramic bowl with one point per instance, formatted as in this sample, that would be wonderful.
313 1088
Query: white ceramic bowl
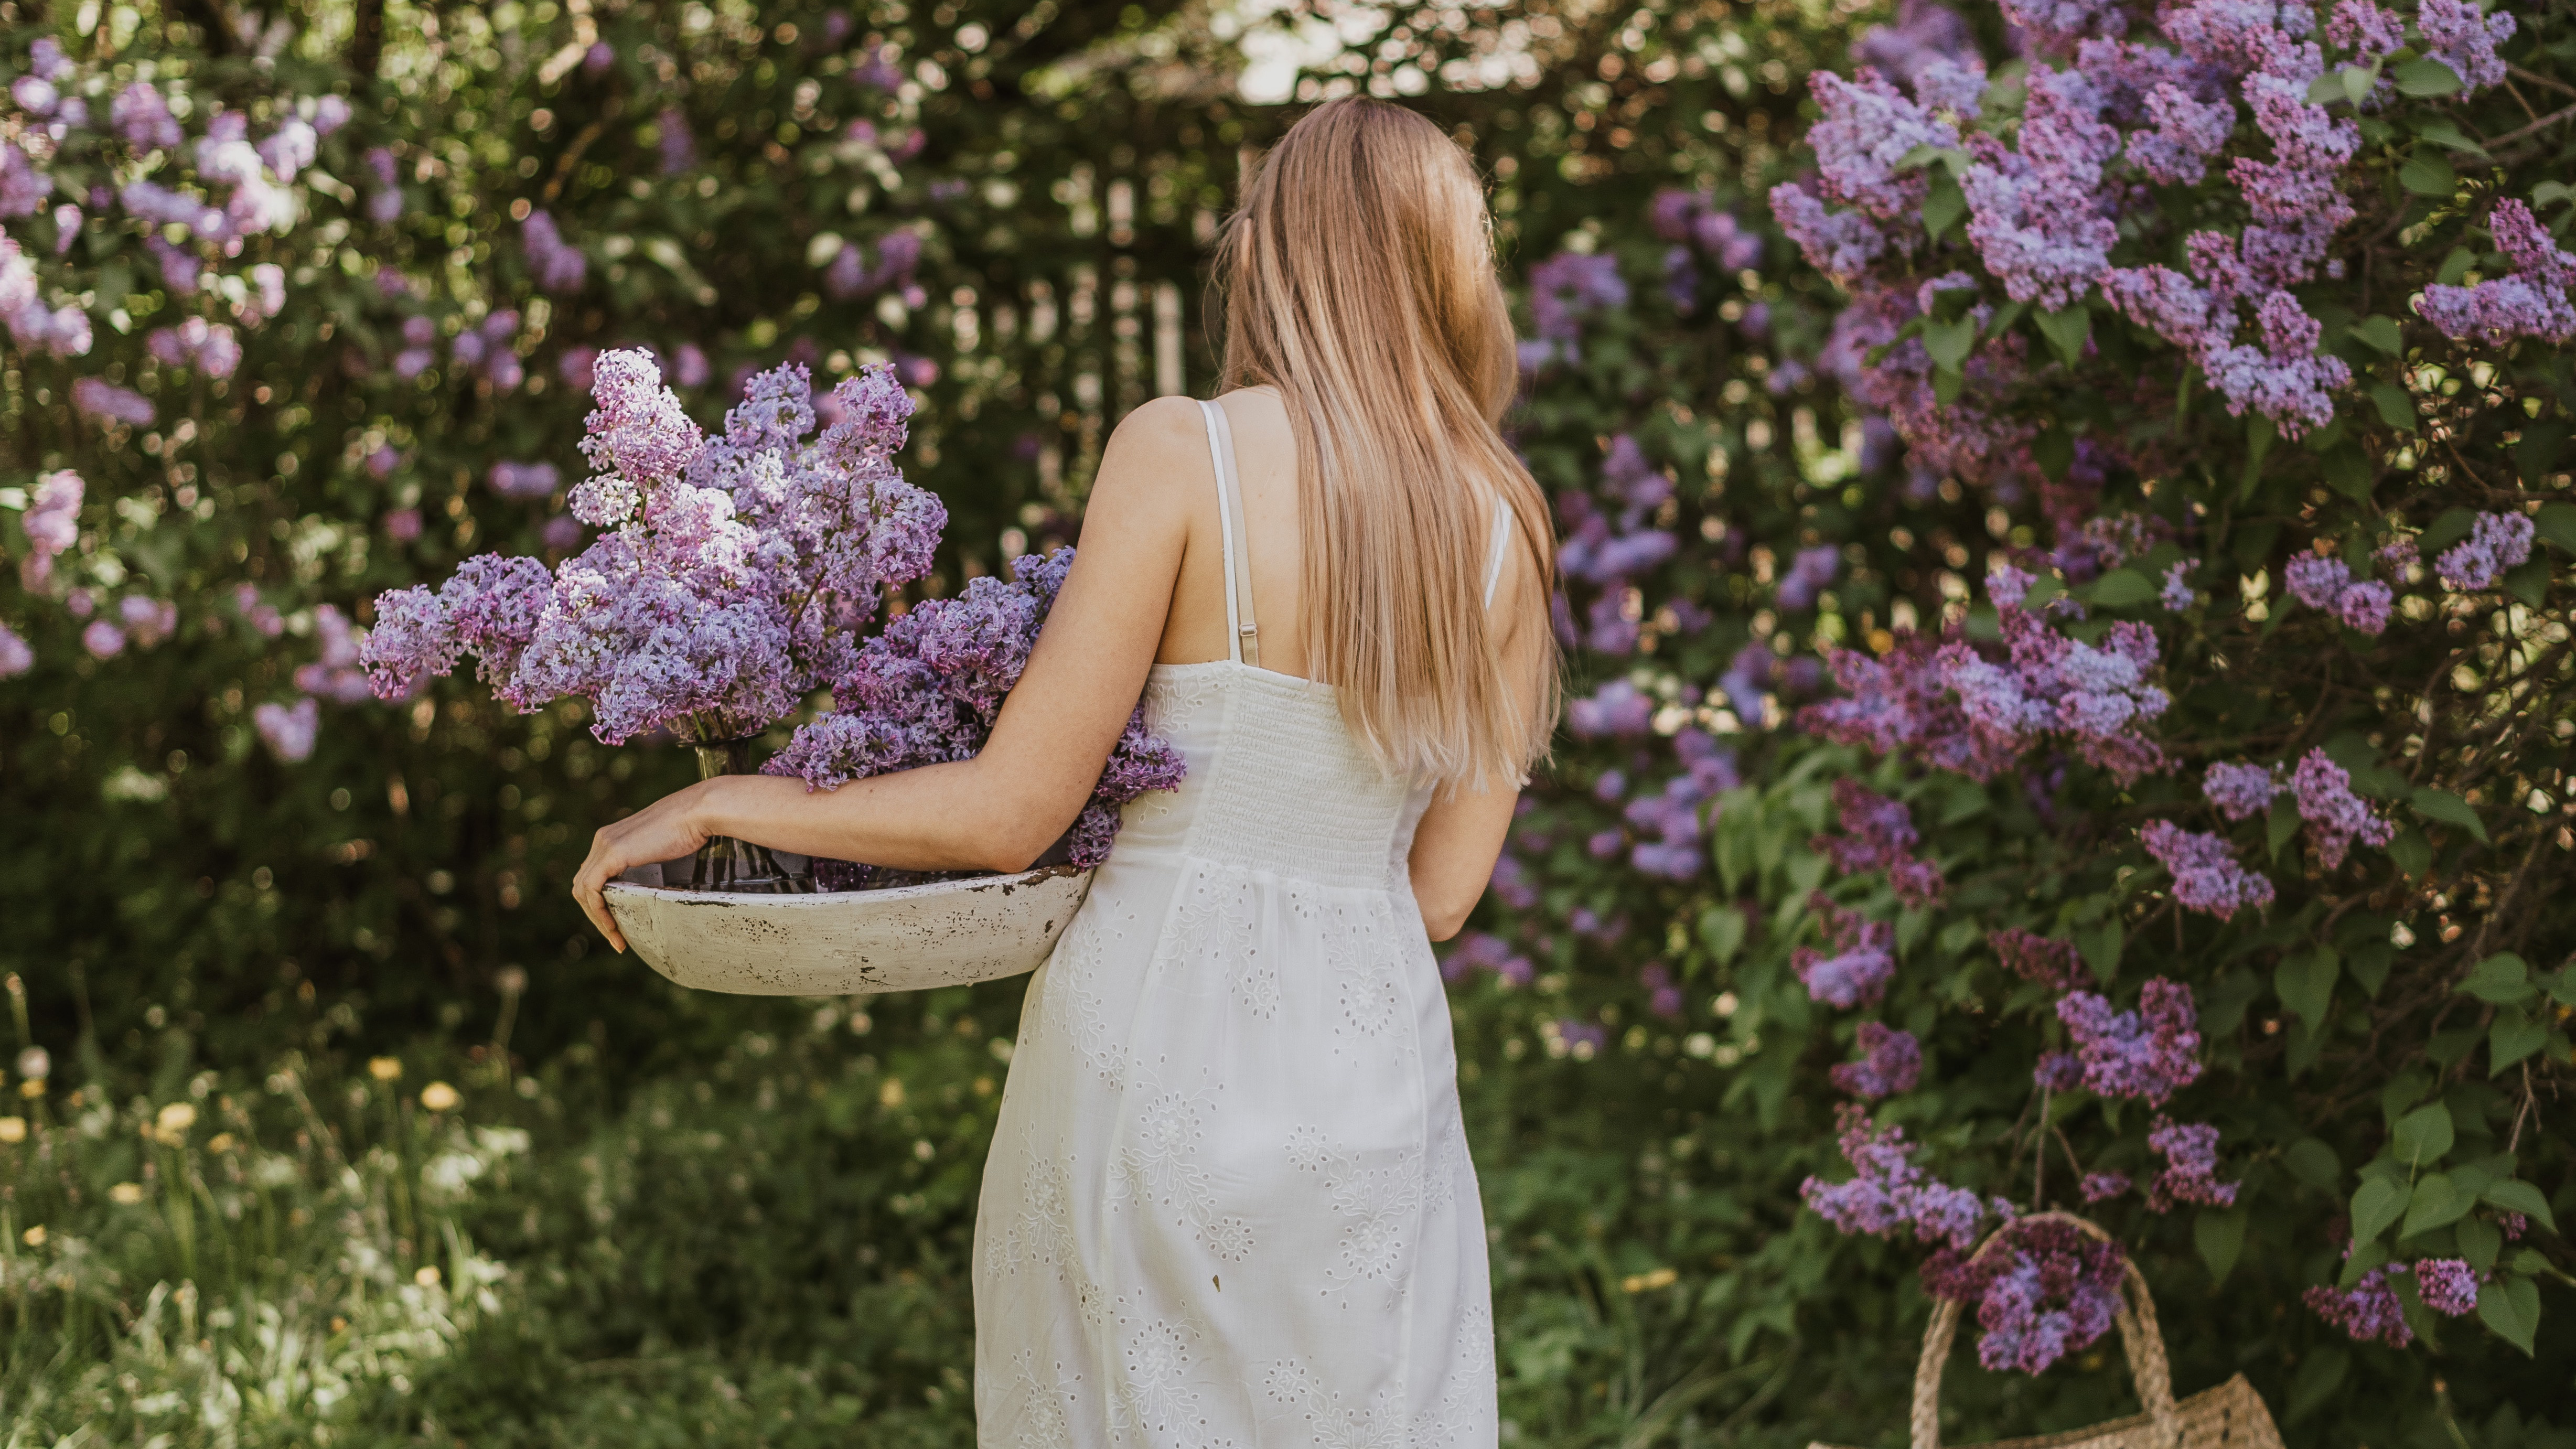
838 943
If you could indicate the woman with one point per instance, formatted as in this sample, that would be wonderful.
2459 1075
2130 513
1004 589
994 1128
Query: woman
1229 1200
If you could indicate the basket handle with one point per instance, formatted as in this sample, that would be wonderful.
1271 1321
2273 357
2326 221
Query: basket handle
2140 1335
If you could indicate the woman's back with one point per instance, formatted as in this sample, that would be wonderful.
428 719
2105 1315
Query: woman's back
1229 1198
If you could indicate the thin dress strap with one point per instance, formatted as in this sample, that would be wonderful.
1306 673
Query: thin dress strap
1243 638
1494 556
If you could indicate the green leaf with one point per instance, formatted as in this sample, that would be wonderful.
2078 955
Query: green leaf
2529 582
2536 457
2220 1236
2066 331
1943 204
2412 852
2280 825
2511 1307
2321 1373
2479 1241
2100 947
2369 965
2428 173
2381 1201
2403 1091
2455 265
2437 1204
2449 809
1722 930
2449 527
2442 133
2380 332
2502 979
2557 524
2422 1136
2425 77
2348 472
2259 436
2396 408
1949 342
2306 984
2053 450
2121 588
2312 1162
2517 1196
2327 89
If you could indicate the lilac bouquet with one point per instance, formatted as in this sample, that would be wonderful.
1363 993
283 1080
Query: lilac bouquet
928 689
731 580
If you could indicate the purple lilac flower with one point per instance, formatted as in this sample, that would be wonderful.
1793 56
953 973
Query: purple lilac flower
1879 835
1857 973
2177 595
2459 35
2448 1286
260 615
1663 997
2191 1162
1889 1192
2104 1186
2239 790
2206 876
1809 573
2362 29
102 639
402 525
15 657
2149 1054
2286 379
290 148
330 113
2364 607
1891 1062
2336 817
1925 34
1478 950
559 267
288 732
2031 213
334 675
679 144
2045 1290
2531 302
147 620
2496 542
1616 710
209 348
107 402
143 118
1747 678
2187 134
2367 1311
2316 581
1565 289
523 480
52 525
2050 963
2058 1071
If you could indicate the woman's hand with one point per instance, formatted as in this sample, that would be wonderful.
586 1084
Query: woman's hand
667 829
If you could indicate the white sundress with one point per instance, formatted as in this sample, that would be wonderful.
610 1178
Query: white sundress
1229 1203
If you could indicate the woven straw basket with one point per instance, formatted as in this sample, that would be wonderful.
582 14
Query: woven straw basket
2230 1416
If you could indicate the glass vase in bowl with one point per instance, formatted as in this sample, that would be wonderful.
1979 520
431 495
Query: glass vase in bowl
725 863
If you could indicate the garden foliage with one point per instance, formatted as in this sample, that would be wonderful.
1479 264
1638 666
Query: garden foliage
2066 546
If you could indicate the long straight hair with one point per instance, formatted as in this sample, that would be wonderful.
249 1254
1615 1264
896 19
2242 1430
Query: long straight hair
1359 280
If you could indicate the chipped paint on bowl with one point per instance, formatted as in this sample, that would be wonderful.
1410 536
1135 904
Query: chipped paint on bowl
840 943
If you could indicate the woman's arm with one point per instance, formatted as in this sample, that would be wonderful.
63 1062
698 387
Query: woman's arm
1461 835
1001 809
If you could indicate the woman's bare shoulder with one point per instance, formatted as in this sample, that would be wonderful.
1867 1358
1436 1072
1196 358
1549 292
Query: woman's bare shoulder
1156 463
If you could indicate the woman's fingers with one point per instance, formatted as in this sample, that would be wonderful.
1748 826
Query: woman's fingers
590 883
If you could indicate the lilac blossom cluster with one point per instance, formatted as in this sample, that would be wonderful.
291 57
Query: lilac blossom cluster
2328 584
1861 962
1888 1191
1878 834
1698 230
2190 1151
1950 707
488 347
927 690
2531 302
1891 1062
558 266
850 273
1484 951
2043 1288
729 577
2038 959
1564 290
2335 816
2496 542
2205 872
2239 791
2148 1054
2369 1310
1609 550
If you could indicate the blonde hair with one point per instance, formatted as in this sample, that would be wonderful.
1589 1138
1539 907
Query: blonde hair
1358 279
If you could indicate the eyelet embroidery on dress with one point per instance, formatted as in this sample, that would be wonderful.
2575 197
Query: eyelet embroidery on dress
1157 1401
1377 1424
1361 950
1379 1208
1158 1166
1466 1413
1450 1165
1041 1238
1040 1407
1076 1010
1216 919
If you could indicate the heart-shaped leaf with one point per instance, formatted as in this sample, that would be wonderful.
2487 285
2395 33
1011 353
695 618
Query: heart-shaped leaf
2516 1196
2220 1236
2503 979
2511 1306
2306 984
2379 1202
2449 809
2423 1135
2513 1036
2437 1203
2425 77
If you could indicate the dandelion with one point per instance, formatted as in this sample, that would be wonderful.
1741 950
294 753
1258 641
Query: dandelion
125 1194
35 1064
175 1118
13 1130
33 1237
439 1097
385 1069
